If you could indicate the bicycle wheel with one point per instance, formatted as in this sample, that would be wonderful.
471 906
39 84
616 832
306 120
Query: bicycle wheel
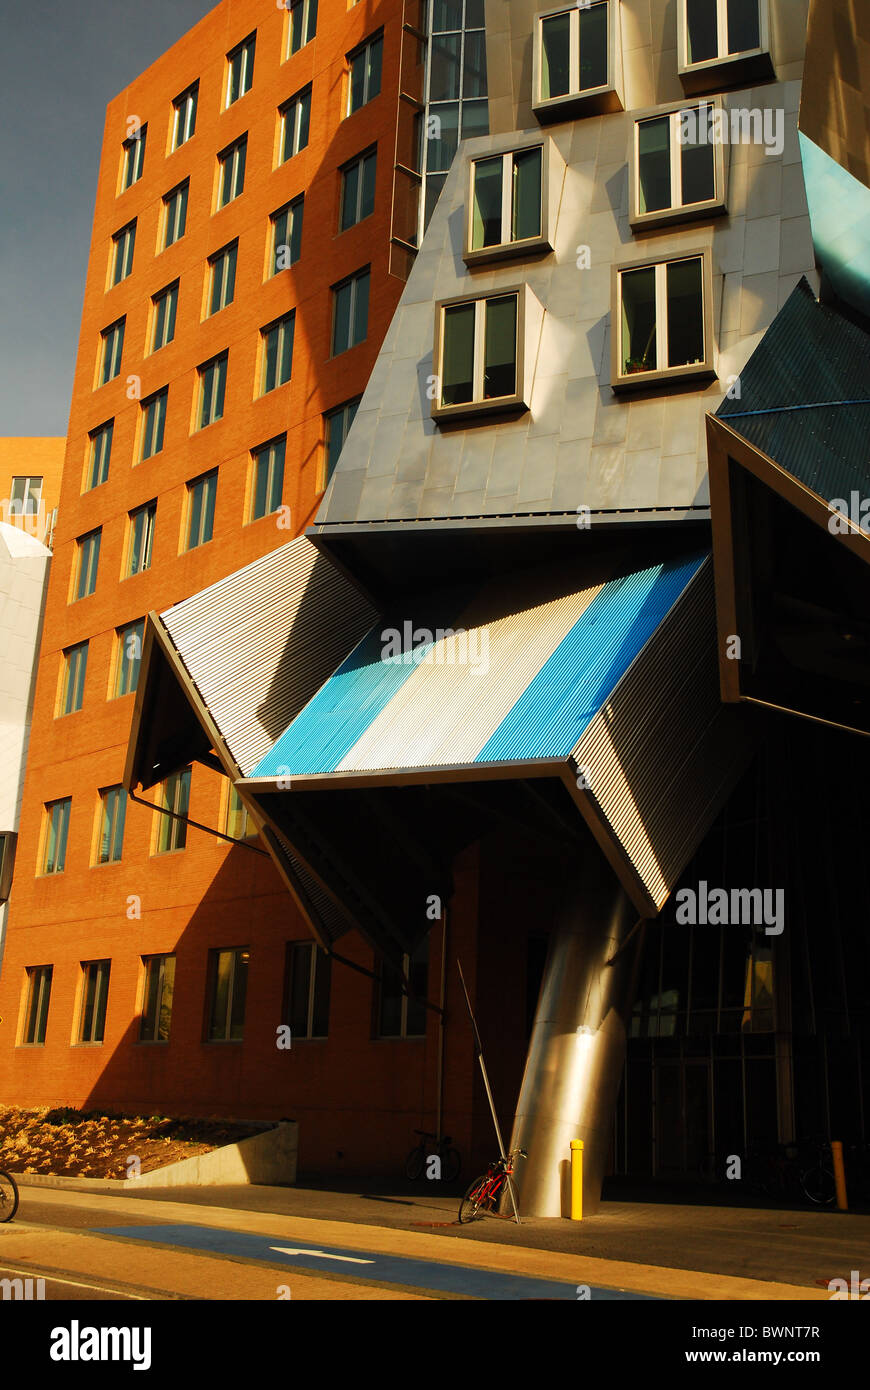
818 1185
415 1163
476 1201
8 1197
451 1163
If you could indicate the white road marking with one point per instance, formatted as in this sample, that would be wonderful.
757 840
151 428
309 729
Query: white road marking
321 1255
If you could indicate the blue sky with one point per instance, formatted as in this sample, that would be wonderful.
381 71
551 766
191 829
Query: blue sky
62 65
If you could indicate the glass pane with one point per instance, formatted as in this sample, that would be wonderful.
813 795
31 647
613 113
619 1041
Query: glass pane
474 14
270 360
486 211
193 529
322 979
526 213
240 989
357 81
390 1020
296 231
743 25
444 69
287 347
261 478
444 122
699 178
500 349
300 979
276 476
101 1001
475 119
685 313
220 389
703 36
221 995
341 323
474 65
361 308
367 192
457 357
88 1002
165 1016
654 164
350 193
208 511
375 57
418 971
593 47
304 119
638 291
555 56
171 306
446 14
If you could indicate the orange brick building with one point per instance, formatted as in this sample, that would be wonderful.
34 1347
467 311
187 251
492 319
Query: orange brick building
30 474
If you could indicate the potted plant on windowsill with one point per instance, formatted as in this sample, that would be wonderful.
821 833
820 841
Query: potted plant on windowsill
636 364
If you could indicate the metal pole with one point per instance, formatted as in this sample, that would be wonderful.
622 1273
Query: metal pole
479 1046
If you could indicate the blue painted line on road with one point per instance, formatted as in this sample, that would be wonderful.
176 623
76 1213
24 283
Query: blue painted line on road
370 1266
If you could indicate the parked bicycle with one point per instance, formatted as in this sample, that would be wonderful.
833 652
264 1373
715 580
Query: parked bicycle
485 1193
431 1146
8 1197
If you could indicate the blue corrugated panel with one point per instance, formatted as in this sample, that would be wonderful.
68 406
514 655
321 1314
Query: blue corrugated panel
553 711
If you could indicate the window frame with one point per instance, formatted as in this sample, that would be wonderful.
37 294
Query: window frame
179 103
227 158
130 174
317 957
122 662
170 800
73 675
107 356
734 69
296 105
209 499
288 210
528 324
168 295
272 469
217 390
111 827
29 494
407 965
148 511
94 536
152 424
358 162
170 218
147 962
358 51
221 256
329 416
100 1002
678 212
552 176
306 6
211 997
35 1011
594 101
123 251
61 833
96 436
364 272
279 326
246 50
700 371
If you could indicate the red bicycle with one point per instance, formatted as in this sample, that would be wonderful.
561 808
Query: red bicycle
484 1194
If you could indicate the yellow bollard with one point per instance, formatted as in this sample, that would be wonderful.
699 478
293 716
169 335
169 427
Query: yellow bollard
576 1179
839 1174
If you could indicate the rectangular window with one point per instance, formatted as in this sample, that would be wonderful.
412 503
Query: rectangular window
87 561
111 348
364 73
357 190
153 424
267 480
175 213
56 830
310 970
171 833
236 823
479 350
141 538
201 494
573 62
128 658
95 996
677 164
240 69
277 348
26 496
222 271
399 1014
228 988
184 116
295 116
212 391
506 204
662 316
36 1008
350 311
99 454
718 29
75 665
133 158
303 23
286 246
163 312
157 993
122 252
231 180
110 839
338 423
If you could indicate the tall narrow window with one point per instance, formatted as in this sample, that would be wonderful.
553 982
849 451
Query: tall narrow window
236 822
94 999
36 1007
184 116
140 538
133 158
212 391
277 351
286 245
338 423
128 658
123 243
358 190
157 995
171 832
506 204
677 164
295 117
267 478
163 313
110 837
401 1012
87 559
479 350
231 180
662 315
111 350
26 496
201 495
303 23
309 988
99 455
75 665
153 423
175 213
222 273
56 830
228 989
240 69
350 311
364 75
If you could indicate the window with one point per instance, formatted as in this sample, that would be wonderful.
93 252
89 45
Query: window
72 690
175 213
399 1015
277 349
201 494
480 352
110 839
99 454
506 204
286 245
455 92
715 32
310 970
164 309
240 69
122 253
267 480
357 190
303 23
55 832
184 116
87 560
222 271
236 822
26 496
232 171
36 1007
8 843
338 423
350 312
212 390
364 76
133 158
153 423
95 995
228 987
159 987
295 117
171 833
128 658
678 168
140 538
111 348
575 63
663 320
